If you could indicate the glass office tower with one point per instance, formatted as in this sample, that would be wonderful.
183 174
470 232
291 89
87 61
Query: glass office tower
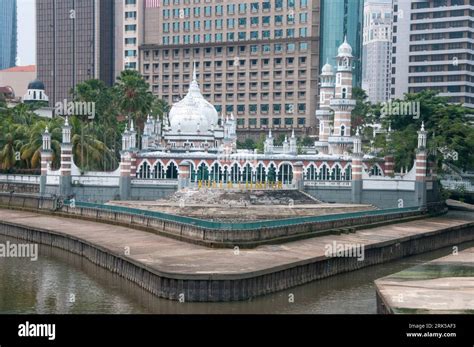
340 18
8 34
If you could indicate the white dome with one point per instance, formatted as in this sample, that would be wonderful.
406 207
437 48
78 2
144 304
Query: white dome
327 69
345 50
193 112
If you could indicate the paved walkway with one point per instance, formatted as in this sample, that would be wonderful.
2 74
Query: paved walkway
444 285
176 258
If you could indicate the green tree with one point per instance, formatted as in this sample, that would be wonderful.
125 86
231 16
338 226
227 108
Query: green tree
135 99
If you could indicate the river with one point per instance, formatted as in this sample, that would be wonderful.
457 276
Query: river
63 283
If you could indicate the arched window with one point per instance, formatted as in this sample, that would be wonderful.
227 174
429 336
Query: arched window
202 173
247 173
344 93
343 130
172 172
285 174
216 173
311 173
337 173
375 170
159 171
235 173
272 174
348 173
324 173
144 171
261 173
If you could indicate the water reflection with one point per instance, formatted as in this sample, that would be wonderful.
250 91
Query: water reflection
61 282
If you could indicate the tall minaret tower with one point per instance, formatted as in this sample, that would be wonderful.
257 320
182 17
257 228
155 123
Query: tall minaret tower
342 103
324 113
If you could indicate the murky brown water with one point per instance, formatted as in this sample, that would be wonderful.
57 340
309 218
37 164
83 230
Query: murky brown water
61 282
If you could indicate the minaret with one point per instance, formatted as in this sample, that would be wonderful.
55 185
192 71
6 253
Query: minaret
293 143
268 145
342 103
324 113
357 168
46 158
420 165
389 158
66 160
126 157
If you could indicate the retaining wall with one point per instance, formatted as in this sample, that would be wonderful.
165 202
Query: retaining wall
243 286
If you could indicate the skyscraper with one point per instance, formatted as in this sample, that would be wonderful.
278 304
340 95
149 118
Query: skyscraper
8 33
75 42
377 49
432 48
129 24
341 18
256 59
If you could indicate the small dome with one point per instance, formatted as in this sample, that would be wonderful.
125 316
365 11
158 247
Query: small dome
36 84
327 69
345 50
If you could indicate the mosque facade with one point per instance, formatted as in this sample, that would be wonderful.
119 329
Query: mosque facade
195 147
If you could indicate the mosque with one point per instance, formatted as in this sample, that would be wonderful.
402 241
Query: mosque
195 148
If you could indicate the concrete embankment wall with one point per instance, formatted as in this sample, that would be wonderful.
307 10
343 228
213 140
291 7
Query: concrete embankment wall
220 237
243 286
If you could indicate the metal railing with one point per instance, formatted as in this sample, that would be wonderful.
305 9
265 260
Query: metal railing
265 224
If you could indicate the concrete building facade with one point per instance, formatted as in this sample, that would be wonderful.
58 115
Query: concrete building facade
339 19
129 30
376 53
8 33
433 48
74 43
18 78
260 60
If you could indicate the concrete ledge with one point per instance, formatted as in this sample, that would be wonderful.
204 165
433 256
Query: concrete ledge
170 268
444 285
216 238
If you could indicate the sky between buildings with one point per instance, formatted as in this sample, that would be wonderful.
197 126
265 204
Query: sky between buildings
26 32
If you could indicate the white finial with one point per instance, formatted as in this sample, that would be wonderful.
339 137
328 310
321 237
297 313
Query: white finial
46 131
132 128
422 126
293 133
270 133
194 71
286 138
357 132
66 123
345 38
232 116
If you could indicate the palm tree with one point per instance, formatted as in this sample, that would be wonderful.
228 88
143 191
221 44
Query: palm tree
135 98
89 152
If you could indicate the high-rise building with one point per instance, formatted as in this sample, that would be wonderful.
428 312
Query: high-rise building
339 19
432 48
129 25
256 59
75 42
376 51
8 34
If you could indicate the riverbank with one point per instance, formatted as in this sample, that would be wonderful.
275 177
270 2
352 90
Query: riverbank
444 286
181 271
